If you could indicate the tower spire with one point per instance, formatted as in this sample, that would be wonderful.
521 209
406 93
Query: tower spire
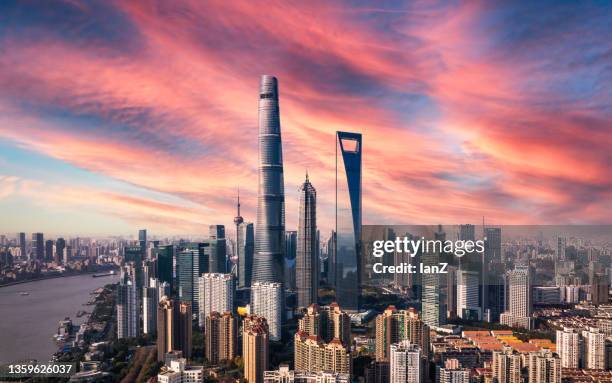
238 218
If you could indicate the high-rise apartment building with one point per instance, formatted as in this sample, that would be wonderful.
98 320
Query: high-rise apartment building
519 299
220 337
150 301
433 312
393 326
307 254
453 373
255 348
544 367
269 233
326 322
128 308
348 219
506 366
216 294
594 349
406 363
174 331
267 302
166 337
312 354
569 347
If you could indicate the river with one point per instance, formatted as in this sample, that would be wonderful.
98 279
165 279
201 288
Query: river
27 323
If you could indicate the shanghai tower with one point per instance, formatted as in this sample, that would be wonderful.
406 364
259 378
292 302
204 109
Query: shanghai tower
270 226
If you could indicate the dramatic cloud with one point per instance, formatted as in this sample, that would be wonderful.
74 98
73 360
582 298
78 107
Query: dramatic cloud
466 109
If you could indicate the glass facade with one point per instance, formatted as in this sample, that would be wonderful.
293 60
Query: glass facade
270 228
165 259
348 219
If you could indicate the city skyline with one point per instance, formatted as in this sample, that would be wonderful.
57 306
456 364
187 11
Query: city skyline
470 110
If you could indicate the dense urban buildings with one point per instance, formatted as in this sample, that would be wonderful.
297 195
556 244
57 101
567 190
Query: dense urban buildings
348 219
270 227
307 254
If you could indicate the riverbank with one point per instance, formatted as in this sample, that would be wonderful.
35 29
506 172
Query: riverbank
29 321
55 276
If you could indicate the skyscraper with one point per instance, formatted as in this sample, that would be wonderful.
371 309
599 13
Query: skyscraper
217 249
266 302
405 363
520 301
142 239
165 264
150 301
128 308
290 259
467 295
594 349
49 250
269 233
166 337
23 245
60 245
245 247
38 246
348 219
184 331
568 347
216 294
307 260
191 263
220 337
255 348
